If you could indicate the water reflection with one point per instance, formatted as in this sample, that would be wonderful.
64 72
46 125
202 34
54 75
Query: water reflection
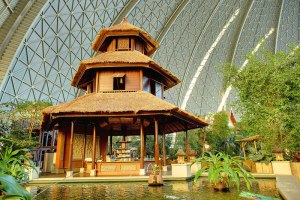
141 190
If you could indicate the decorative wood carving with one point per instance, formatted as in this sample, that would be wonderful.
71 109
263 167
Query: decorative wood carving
78 147
123 43
89 147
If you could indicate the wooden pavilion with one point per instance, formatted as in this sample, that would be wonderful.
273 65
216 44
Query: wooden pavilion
124 97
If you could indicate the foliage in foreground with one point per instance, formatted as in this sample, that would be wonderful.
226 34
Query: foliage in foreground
224 168
15 163
12 189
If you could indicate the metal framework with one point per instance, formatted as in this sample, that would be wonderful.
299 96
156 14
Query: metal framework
62 34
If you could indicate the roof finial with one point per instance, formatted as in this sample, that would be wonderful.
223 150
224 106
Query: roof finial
124 20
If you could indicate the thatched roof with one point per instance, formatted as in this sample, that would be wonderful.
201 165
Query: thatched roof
120 103
120 59
125 28
249 139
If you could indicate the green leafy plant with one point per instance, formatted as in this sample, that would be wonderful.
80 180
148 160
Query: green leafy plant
261 154
155 169
223 168
12 189
268 98
15 163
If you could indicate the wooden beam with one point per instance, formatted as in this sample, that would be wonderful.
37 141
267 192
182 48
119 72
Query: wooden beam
124 114
156 145
94 147
71 147
142 145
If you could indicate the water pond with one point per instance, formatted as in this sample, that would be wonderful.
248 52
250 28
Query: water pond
141 190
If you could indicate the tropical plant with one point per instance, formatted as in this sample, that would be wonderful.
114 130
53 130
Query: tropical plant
261 154
21 117
223 168
155 178
15 163
221 137
12 189
155 169
268 91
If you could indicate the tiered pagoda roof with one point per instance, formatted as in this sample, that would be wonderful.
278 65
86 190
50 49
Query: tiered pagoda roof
116 103
124 59
126 29
123 103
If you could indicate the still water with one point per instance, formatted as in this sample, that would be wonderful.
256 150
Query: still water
141 190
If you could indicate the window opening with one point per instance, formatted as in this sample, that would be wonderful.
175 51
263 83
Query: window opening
119 83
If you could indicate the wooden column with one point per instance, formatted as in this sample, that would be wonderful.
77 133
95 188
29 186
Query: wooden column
60 147
94 147
71 147
142 137
186 141
145 143
110 142
156 145
103 145
164 149
38 151
52 140
83 151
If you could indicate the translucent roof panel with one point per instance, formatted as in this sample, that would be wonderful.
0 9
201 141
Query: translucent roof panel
195 36
48 57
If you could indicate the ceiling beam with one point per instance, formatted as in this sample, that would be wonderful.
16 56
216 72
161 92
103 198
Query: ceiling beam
171 20
278 26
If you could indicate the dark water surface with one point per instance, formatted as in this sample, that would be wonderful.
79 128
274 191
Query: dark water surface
141 190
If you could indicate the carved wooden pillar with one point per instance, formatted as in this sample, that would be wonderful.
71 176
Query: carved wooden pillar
156 145
142 137
94 147
71 147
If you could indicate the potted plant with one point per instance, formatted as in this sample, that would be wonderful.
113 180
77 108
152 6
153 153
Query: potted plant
155 178
223 170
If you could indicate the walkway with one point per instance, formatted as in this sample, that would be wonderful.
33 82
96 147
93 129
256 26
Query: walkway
48 178
98 179
288 187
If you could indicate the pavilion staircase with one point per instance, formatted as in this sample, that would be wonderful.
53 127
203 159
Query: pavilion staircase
14 29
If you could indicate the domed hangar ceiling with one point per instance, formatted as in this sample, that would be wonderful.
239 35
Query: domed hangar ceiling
194 36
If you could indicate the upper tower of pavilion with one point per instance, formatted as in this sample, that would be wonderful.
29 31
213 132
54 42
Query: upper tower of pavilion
123 63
